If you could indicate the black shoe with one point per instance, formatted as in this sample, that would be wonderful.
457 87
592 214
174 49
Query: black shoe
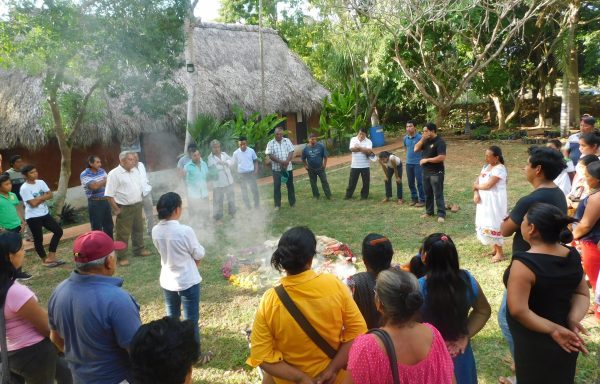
23 276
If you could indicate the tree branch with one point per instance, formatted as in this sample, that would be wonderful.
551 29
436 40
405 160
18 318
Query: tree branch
82 110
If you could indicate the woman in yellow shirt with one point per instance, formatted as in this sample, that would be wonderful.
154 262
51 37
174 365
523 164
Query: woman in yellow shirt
279 345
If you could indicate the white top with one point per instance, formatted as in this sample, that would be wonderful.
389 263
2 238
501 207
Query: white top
493 208
145 182
281 150
30 192
563 181
574 138
393 161
223 165
125 187
245 160
178 248
359 159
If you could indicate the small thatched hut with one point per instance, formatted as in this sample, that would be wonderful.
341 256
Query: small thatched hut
22 103
227 65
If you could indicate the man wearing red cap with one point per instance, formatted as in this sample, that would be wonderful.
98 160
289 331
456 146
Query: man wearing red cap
92 319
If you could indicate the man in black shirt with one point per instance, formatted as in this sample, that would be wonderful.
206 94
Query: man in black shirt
433 149
543 166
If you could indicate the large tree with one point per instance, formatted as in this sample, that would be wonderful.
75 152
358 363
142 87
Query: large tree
86 51
441 45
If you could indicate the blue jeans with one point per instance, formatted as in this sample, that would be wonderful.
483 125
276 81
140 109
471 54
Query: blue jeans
503 323
190 299
414 172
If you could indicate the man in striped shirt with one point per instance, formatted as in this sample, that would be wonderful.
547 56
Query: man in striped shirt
93 181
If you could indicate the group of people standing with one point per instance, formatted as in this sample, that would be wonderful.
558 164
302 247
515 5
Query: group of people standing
421 321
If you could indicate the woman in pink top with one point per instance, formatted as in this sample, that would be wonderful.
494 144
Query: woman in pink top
420 349
31 355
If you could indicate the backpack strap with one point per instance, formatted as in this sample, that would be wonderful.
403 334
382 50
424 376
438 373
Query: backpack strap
304 323
390 351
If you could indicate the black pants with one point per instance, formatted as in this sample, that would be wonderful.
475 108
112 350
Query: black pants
36 225
39 364
389 172
277 188
312 176
249 180
101 216
434 189
365 174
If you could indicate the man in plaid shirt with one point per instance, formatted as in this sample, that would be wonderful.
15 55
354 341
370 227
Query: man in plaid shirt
281 150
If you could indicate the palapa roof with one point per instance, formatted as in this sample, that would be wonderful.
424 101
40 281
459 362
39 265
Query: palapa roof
228 72
22 103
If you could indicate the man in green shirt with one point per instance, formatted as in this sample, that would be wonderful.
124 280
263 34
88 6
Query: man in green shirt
11 214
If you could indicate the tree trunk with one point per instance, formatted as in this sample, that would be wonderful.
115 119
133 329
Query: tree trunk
542 107
442 112
65 153
374 117
500 112
570 104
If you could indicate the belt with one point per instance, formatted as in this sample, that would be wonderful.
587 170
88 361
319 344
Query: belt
98 198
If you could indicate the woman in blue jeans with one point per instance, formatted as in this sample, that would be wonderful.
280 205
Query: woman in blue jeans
180 255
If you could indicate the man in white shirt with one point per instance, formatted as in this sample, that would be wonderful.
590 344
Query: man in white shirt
124 189
362 150
247 167
223 185
146 195
281 151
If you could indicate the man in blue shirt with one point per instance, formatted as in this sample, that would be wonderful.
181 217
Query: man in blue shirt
92 319
93 181
414 172
314 157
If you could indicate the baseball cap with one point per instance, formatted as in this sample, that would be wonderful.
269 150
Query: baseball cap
94 245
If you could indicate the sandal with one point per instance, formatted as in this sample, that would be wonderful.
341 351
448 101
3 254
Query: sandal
454 208
53 264
498 258
205 358
124 263
507 380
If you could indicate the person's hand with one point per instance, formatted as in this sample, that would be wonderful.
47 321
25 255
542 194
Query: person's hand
475 186
398 179
423 161
23 224
457 347
116 211
578 329
326 377
569 341
305 379
386 179
476 198
306 167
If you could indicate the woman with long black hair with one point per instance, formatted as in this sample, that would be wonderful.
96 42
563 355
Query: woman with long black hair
31 354
547 297
450 293
377 252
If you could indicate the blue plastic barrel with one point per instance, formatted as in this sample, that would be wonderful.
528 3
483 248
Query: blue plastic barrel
377 136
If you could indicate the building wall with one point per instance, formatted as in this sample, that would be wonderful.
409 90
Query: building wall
159 152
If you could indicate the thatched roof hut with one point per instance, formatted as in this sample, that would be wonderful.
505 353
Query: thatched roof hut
228 73
22 103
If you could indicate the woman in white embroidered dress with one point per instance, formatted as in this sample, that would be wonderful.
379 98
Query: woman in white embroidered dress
489 193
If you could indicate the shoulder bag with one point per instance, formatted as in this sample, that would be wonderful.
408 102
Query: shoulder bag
390 351
304 323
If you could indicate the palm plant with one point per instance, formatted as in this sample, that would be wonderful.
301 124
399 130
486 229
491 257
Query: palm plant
206 128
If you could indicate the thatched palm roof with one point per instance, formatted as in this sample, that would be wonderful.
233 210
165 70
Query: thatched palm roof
22 103
228 72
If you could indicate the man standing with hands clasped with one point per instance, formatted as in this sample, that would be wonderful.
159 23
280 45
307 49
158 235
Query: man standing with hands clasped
314 156
281 151
433 149
362 151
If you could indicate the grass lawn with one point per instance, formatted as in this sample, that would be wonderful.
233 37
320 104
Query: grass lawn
226 310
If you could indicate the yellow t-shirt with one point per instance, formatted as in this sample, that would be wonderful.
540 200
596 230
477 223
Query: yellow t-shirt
325 302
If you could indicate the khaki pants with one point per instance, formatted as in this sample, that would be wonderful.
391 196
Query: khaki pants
130 223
